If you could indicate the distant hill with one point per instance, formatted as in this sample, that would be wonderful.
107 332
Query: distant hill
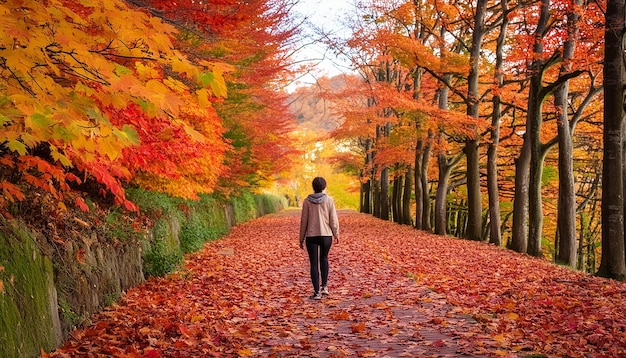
312 110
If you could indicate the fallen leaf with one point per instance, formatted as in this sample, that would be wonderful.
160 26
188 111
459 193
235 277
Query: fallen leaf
246 352
80 256
424 286
358 327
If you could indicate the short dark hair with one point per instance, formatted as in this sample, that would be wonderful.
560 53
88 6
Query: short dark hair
319 184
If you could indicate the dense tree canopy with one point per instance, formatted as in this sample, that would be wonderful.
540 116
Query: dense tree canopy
457 100
164 95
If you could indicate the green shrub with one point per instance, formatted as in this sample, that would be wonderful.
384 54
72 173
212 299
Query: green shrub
269 203
152 203
245 207
195 232
184 226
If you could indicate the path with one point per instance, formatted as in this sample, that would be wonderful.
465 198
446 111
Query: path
246 295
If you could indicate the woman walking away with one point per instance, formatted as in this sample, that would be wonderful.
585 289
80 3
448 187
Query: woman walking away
318 225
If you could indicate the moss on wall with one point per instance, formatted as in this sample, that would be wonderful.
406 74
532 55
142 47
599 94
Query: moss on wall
29 318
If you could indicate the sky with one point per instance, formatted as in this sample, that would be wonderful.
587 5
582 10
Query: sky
328 15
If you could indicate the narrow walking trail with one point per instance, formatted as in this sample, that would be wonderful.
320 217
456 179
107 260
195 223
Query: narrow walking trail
395 292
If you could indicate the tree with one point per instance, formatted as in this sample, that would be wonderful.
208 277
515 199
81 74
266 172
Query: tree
257 42
474 202
613 253
72 68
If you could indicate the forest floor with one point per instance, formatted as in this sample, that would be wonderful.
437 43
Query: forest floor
394 291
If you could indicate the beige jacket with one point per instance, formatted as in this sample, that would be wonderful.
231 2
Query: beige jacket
319 217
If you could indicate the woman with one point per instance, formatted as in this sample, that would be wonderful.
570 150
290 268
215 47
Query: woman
318 225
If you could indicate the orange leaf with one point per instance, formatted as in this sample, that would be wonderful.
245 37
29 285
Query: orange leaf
80 202
183 329
80 256
246 352
358 327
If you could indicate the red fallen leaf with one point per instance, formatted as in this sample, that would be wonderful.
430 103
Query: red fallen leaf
180 344
436 320
151 353
80 202
342 315
183 329
215 294
594 338
358 327
306 344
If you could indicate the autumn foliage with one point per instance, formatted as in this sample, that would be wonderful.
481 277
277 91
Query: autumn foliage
97 96
481 120
393 291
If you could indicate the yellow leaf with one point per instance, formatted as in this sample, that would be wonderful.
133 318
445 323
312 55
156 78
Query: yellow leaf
171 103
215 81
175 85
194 134
17 146
513 315
182 66
246 352
203 98
56 155
62 206
195 319
82 89
109 148
38 121
146 71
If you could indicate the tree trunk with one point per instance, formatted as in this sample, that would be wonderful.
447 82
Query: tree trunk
495 233
419 204
376 198
396 200
613 261
383 195
406 197
366 200
362 197
533 130
441 201
566 217
535 203
425 185
384 182
474 197
519 231
474 201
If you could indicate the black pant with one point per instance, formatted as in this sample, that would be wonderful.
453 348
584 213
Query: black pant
318 248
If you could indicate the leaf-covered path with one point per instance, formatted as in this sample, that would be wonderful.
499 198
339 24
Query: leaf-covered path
395 292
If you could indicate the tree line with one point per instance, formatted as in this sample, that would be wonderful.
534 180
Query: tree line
478 119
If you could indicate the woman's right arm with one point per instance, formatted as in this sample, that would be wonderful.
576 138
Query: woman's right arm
304 221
